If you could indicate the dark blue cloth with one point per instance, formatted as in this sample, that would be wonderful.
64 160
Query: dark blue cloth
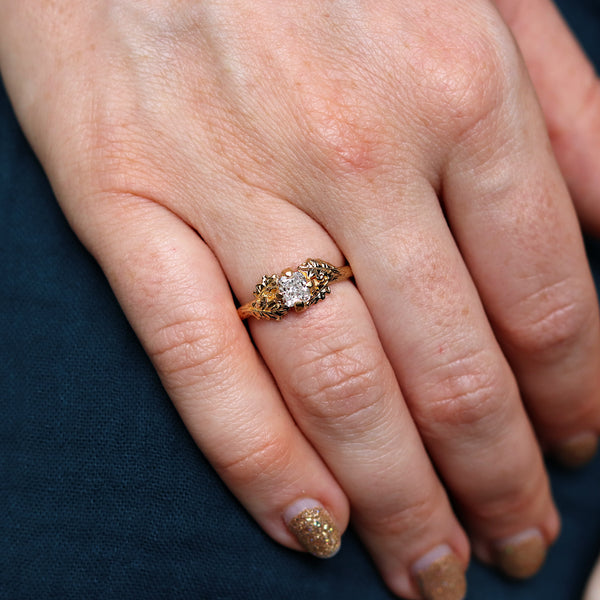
102 492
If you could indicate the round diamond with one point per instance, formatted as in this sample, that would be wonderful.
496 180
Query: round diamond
294 289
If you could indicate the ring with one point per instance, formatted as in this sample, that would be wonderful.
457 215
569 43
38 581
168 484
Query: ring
276 295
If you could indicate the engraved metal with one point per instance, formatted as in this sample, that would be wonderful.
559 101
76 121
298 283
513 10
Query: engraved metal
276 295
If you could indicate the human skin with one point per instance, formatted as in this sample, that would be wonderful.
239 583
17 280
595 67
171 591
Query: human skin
195 147
592 591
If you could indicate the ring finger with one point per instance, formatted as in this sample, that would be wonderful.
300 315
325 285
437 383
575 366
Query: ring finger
341 390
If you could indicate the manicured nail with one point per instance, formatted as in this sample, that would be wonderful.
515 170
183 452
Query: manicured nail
576 451
313 527
521 556
440 575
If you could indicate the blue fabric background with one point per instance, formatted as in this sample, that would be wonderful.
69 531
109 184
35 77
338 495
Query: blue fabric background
103 493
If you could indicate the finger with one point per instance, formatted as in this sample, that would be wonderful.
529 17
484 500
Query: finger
459 387
592 589
338 384
513 218
569 93
179 303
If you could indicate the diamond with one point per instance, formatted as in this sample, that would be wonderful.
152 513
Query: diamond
294 288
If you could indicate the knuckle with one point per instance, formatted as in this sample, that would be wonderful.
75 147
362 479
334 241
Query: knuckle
462 392
337 381
264 457
556 318
348 118
192 347
582 413
519 495
403 519
349 138
467 82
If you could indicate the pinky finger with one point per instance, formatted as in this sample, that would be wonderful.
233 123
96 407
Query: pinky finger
178 301
569 93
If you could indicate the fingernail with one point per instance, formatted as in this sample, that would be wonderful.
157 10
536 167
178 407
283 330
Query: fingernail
440 575
313 527
521 556
576 451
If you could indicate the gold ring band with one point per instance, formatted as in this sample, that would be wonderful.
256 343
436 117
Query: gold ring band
276 295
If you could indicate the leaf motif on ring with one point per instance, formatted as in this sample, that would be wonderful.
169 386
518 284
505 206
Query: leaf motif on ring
269 302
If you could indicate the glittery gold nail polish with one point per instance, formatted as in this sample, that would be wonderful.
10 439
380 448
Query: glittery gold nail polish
440 575
313 527
522 555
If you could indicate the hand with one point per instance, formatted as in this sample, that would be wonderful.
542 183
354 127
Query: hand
198 146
